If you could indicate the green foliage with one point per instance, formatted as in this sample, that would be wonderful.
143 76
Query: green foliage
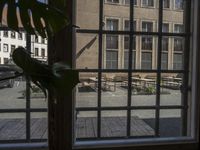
150 90
58 79
35 17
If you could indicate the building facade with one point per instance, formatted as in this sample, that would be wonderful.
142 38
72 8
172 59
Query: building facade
116 47
9 40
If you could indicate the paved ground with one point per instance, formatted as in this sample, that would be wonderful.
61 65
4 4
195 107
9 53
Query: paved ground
12 98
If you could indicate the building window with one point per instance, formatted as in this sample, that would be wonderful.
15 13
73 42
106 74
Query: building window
12 34
5 47
146 60
5 60
179 4
147 43
164 61
12 48
5 33
127 2
178 61
112 24
165 27
36 52
42 52
126 59
111 59
42 40
20 36
148 3
127 25
178 44
166 3
36 39
113 1
147 26
178 28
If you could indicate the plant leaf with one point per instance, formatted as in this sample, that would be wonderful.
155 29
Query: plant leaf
31 14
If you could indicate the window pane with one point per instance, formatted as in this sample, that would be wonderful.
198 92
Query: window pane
143 123
171 84
166 3
112 24
86 90
164 61
147 43
111 59
12 126
143 89
126 59
178 61
146 60
39 127
114 89
111 42
113 123
86 124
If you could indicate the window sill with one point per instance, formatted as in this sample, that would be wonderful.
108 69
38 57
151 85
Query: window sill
130 143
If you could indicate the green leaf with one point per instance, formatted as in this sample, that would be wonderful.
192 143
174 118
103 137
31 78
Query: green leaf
12 16
31 12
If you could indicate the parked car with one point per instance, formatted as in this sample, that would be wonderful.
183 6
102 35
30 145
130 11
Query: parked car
5 72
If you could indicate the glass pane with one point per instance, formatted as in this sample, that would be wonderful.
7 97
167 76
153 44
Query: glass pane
170 123
143 123
39 126
113 123
86 91
171 85
12 91
86 124
174 16
87 51
143 89
114 89
12 126
87 14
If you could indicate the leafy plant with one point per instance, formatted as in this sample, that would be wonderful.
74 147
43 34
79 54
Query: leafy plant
35 17
150 90
39 19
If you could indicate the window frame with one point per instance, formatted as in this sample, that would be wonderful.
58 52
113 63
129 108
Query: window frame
190 142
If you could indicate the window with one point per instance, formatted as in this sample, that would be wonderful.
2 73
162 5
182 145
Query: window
5 33
42 40
43 52
126 59
36 52
148 3
165 27
164 63
12 48
166 3
127 25
20 36
12 34
178 28
5 60
178 44
147 43
36 39
127 2
146 60
112 24
178 61
5 47
113 1
147 26
111 59
179 4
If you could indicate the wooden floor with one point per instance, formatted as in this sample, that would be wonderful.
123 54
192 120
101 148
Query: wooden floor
11 129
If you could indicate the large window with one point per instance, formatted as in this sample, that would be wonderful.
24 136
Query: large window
149 106
137 78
